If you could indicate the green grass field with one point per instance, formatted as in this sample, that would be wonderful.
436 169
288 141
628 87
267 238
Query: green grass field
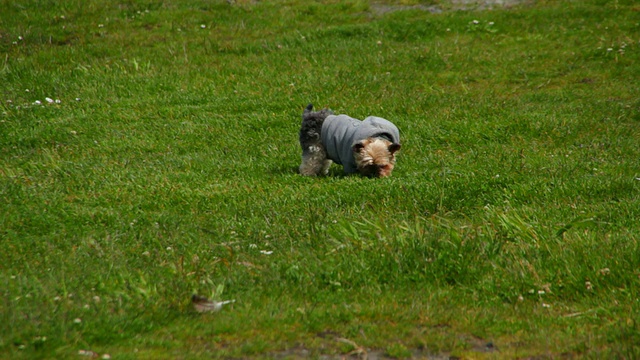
148 151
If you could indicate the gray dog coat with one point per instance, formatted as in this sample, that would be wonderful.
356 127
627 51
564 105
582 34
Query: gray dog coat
341 132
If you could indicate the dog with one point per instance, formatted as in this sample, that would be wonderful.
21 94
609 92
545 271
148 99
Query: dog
368 146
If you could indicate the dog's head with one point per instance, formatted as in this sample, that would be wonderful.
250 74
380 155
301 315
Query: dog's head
375 157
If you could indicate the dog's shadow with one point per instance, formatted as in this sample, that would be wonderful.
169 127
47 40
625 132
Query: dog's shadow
334 172
284 170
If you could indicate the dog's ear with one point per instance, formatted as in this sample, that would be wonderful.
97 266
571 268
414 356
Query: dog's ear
357 147
394 147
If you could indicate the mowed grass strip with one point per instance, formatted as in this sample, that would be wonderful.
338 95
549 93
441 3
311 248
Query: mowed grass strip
149 152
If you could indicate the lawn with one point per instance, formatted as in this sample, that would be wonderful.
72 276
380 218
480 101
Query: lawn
149 151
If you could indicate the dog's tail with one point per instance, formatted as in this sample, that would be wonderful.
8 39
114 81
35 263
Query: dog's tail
318 116
308 109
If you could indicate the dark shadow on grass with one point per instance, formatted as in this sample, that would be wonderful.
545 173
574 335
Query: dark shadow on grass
287 169
284 169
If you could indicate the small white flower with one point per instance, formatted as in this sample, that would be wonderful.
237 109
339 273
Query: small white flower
476 22
541 292
96 299
265 252
203 26
73 132
106 356
169 248
146 253
100 25
20 38
252 246
57 298
86 307
37 102
77 321
546 305
609 49
77 99
491 23
49 100
58 101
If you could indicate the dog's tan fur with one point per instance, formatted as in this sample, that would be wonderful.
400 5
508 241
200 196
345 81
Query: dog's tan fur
375 157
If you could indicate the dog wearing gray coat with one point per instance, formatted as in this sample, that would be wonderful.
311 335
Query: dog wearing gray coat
368 146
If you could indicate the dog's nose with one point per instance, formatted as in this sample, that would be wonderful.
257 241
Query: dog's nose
382 170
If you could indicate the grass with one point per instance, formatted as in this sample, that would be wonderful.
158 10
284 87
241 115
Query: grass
168 167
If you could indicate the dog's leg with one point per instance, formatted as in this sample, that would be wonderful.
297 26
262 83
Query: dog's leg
314 155
326 166
314 161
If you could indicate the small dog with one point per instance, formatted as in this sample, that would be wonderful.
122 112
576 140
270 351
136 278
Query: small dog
368 147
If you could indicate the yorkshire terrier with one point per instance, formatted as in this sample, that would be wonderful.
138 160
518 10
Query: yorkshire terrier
366 146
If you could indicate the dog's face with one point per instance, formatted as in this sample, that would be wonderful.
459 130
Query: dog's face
375 157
